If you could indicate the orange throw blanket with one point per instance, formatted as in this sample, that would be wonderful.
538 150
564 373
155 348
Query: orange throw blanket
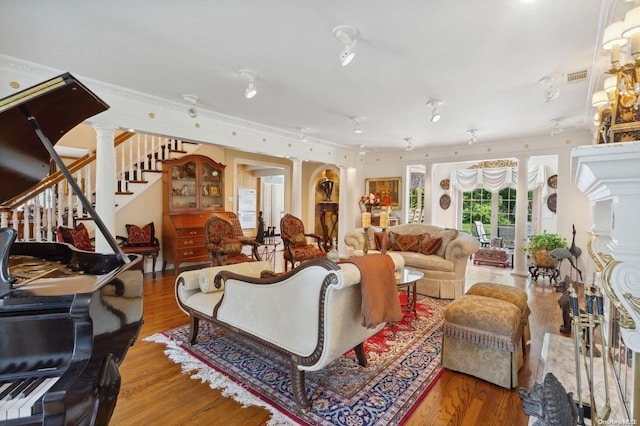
380 302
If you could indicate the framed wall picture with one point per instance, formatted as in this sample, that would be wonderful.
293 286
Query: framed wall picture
387 189
214 190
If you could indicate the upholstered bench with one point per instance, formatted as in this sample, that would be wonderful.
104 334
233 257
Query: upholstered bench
514 295
482 336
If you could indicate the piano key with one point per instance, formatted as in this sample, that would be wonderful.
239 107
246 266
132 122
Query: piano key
18 390
22 405
6 391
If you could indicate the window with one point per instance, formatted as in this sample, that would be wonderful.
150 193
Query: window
476 206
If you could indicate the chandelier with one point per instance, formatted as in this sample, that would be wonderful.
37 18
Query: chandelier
618 104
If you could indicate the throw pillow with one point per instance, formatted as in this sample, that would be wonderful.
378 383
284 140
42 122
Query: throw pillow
447 236
81 239
298 240
405 242
231 245
137 236
378 238
77 237
430 244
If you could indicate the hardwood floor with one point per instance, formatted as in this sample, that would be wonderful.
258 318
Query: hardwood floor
154 390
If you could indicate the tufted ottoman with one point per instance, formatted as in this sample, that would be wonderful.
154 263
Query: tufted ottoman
482 336
515 295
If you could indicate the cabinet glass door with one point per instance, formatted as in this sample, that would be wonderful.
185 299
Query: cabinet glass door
183 186
211 187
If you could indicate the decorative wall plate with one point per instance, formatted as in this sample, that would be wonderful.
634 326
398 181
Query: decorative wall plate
444 184
553 181
552 201
445 201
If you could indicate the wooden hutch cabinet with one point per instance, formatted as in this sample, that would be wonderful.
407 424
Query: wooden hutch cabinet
192 190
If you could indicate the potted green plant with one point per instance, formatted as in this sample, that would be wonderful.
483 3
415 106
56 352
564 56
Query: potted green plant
540 245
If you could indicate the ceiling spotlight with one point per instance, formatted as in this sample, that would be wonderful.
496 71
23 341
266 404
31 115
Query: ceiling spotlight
435 115
556 129
357 126
409 144
192 99
349 36
303 134
251 89
552 91
472 136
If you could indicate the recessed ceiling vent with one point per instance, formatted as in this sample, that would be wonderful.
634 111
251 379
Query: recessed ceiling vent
577 77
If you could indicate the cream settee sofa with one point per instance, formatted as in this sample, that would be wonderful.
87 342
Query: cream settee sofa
444 271
311 314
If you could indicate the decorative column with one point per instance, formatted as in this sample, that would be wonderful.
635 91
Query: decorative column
519 258
608 174
296 187
346 210
428 193
106 186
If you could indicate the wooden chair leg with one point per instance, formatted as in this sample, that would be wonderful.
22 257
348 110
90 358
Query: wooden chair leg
359 350
298 388
154 256
194 325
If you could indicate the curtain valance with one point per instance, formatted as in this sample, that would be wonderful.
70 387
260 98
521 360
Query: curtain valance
495 179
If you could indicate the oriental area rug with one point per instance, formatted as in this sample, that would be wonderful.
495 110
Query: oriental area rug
401 370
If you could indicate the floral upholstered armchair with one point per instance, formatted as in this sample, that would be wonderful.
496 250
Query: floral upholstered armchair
296 246
225 248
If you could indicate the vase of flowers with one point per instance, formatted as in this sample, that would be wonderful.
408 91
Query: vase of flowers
368 201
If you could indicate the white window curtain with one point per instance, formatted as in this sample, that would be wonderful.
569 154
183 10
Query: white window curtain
495 179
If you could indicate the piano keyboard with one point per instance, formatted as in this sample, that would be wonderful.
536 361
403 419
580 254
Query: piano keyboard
17 398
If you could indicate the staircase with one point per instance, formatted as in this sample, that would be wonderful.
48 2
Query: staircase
36 213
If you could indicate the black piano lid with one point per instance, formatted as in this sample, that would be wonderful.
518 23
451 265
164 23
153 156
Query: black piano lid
58 104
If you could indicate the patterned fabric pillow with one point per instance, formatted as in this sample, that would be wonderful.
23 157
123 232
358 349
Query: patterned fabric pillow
406 242
429 245
378 238
447 236
231 245
137 236
299 240
77 237
81 239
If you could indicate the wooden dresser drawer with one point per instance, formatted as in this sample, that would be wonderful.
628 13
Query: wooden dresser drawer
190 232
183 253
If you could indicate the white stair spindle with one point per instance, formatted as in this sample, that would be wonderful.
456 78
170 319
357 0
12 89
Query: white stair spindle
139 177
37 220
130 144
69 205
146 152
4 219
59 202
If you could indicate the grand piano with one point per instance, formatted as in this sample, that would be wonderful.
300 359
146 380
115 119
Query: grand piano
67 316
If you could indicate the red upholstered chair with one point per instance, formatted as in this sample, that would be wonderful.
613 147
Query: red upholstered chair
223 245
296 246
142 241
237 231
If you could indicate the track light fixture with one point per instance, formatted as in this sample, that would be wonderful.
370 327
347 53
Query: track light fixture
435 114
552 91
409 142
357 126
192 99
472 136
251 89
303 134
349 36
556 129
362 151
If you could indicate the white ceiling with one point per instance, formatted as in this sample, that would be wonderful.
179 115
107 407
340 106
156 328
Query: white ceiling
484 59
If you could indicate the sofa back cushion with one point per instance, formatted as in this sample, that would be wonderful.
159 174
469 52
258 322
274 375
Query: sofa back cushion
447 236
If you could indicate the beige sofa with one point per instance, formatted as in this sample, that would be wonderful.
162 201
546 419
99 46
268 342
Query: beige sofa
311 314
444 271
